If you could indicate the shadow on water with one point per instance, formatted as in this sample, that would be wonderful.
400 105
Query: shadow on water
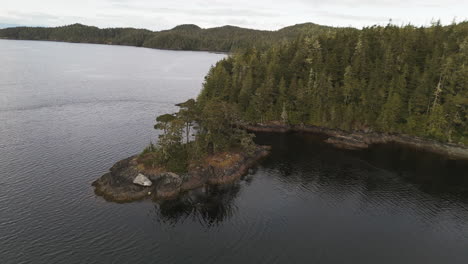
304 160
435 174
209 206
432 173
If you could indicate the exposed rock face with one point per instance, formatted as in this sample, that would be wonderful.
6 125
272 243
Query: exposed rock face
169 185
117 185
124 170
142 180
126 183
347 142
232 173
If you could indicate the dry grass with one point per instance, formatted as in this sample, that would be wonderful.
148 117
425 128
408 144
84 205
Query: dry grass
146 165
223 159
150 170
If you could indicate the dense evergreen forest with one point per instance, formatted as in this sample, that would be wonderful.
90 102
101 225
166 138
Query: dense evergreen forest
409 80
183 37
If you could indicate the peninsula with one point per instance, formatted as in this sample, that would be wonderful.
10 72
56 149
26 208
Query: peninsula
407 85
217 153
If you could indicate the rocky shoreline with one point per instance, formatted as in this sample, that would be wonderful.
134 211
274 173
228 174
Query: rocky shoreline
361 139
126 181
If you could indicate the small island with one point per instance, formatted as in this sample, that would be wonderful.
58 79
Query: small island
199 145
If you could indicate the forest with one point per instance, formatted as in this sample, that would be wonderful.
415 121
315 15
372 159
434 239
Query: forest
183 37
396 79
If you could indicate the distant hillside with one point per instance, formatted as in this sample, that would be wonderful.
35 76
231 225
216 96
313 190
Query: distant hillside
183 37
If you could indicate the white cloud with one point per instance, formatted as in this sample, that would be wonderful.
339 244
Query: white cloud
261 14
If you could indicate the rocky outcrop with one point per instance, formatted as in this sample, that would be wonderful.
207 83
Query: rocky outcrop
142 180
169 185
362 139
347 142
117 185
125 182
233 173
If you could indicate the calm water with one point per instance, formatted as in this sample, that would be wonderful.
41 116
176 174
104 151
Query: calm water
69 111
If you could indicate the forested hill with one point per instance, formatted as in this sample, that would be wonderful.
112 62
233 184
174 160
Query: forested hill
183 37
410 80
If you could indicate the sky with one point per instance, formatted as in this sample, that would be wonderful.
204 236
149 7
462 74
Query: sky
259 14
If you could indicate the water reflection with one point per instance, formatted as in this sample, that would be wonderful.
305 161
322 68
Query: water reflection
303 165
209 206
433 173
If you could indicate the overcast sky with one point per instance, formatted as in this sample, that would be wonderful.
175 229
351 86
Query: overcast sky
260 14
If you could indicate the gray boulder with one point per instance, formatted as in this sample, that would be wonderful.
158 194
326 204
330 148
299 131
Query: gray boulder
168 185
170 179
142 180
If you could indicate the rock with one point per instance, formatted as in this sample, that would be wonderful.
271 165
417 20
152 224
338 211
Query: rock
220 176
170 179
154 177
347 142
124 182
142 180
168 185
123 172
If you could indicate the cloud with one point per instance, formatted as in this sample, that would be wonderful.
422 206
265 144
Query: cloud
261 14
195 10
351 17
31 18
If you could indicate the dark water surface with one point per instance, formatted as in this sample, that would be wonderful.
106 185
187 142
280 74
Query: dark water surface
69 111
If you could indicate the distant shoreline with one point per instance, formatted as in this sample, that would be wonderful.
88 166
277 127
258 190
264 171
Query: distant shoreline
186 37
115 45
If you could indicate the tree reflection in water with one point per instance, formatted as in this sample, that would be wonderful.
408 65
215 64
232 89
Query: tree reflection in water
209 206
304 164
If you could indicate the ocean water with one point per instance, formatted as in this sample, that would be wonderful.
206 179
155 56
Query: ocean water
69 111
